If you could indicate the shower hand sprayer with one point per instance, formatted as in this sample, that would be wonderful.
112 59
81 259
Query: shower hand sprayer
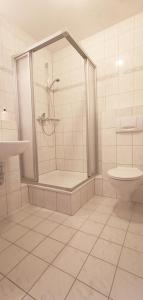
55 80
43 119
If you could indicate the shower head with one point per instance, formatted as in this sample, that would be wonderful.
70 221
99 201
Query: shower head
55 80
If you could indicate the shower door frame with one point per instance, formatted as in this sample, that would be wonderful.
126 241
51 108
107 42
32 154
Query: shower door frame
90 173
34 138
87 60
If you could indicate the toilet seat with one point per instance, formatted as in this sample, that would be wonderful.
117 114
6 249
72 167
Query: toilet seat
125 173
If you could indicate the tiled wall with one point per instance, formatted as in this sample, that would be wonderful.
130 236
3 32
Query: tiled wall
43 97
118 54
12 40
69 100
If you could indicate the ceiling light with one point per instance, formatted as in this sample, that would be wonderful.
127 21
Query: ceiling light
119 62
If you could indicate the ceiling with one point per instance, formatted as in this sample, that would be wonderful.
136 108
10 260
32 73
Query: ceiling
83 18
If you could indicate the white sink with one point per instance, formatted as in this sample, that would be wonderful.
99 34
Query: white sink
12 148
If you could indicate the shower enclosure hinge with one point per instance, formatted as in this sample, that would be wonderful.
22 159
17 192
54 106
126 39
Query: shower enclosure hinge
1 173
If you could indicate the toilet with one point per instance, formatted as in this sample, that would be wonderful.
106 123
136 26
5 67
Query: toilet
125 181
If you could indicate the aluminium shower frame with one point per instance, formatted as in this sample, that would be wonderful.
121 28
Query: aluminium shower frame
87 63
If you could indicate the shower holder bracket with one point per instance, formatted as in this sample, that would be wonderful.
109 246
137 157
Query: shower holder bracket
43 119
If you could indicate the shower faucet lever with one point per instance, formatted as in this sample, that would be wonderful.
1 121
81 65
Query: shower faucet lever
43 118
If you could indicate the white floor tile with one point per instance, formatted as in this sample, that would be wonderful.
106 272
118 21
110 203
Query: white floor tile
136 226
14 233
19 216
1 277
109 201
46 227
92 227
5 225
74 221
43 213
58 217
48 249
81 291
90 206
134 241
127 287
83 213
27 298
10 258
31 221
31 208
138 209
83 241
4 244
97 274
122 214
104 209
113 235
30 240
70 260
97 199
132 261
63 233
54 284
118 223
99 218
107 251
27 272
9 291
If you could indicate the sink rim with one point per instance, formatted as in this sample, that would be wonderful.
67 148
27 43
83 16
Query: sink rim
12 148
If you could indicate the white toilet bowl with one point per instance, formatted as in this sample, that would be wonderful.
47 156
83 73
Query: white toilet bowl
125 181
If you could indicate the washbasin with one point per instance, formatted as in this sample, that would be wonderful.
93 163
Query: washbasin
11 148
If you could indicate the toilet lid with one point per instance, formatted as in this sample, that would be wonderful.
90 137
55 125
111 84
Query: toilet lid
125 173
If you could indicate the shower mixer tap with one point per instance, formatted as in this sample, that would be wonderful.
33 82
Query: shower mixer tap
43 118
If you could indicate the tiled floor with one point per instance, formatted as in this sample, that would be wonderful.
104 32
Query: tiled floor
97 254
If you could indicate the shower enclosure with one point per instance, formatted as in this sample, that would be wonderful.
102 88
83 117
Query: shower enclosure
56 104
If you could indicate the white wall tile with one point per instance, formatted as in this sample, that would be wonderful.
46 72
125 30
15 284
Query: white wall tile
108 137
138 80
13 40
124 155
13 201
138 155
50 200
109 154
124 139
64 203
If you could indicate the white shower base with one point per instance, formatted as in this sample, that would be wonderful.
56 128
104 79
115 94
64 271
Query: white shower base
64 200
62 179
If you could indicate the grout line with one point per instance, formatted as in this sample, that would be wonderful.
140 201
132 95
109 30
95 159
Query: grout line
120 256
49 264
85 263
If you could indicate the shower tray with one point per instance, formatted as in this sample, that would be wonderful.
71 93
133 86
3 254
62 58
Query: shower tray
66 201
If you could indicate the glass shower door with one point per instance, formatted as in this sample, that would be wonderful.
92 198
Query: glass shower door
28 159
